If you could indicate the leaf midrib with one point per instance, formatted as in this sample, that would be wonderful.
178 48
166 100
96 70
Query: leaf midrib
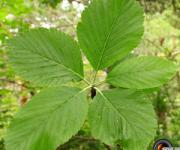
121 116
52 112
131 72
107 40
56 62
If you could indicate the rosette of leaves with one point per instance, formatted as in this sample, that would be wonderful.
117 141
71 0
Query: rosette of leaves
108 32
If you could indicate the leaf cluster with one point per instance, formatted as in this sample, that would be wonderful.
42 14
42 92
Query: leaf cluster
107 33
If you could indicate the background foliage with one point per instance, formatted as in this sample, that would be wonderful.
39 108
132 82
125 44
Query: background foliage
161 38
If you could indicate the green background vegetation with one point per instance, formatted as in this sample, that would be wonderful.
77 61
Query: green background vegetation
161 38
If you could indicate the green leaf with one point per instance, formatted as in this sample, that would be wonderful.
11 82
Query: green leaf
48 120
109 30
124 115
46 57
142 72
